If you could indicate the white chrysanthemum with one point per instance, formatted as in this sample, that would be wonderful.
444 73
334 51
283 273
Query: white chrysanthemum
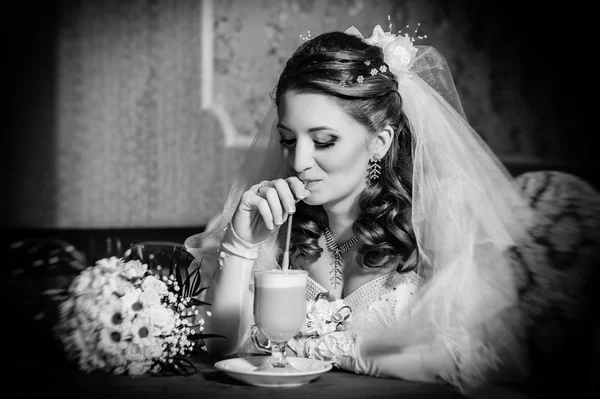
109 285
99 280
112 314
84 324
112 341
87 305
109 263
131 301
82 282
142 331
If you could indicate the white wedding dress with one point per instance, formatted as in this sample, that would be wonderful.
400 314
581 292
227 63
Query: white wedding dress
381 300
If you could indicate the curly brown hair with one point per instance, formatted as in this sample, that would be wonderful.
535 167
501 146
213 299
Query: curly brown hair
329 64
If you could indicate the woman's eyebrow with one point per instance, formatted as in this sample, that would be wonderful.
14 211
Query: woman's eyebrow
320 128
311 130
284 127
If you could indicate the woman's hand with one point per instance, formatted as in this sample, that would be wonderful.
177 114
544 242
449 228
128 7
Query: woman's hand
380 357
266 206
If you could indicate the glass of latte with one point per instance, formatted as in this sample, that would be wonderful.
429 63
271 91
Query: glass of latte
279 312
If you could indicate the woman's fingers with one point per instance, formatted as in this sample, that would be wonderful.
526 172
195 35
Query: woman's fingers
274 200
272 196
297 187
253 200
264 209
253 219
286 196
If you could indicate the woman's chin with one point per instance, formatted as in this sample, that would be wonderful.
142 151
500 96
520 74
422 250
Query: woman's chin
313 201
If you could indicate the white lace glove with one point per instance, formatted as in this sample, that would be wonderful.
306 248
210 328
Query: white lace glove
336 346
379 358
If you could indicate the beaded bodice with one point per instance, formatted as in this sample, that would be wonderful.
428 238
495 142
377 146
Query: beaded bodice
368 293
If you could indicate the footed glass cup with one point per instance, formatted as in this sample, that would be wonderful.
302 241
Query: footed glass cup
279 312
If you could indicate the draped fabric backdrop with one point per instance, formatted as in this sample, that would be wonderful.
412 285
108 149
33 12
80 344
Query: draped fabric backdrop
135 113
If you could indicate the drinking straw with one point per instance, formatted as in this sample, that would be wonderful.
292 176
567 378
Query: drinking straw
286 254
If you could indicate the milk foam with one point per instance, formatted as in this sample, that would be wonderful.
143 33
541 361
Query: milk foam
281 279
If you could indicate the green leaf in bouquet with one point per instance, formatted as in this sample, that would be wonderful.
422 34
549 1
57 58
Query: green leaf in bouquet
198 302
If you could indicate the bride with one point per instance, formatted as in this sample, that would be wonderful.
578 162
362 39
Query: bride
399 210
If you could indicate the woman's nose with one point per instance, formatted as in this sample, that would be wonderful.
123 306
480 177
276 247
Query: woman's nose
303 156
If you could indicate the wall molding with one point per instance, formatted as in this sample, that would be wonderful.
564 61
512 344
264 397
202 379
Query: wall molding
208 103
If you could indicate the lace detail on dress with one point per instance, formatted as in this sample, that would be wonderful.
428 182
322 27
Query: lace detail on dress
369 293
376 298
313 289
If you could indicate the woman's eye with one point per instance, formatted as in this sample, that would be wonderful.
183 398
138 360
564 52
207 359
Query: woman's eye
287 143
324 145
318 144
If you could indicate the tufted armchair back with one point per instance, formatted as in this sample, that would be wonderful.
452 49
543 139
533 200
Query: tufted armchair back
557 269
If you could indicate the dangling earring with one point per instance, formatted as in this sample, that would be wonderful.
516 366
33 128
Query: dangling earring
374 168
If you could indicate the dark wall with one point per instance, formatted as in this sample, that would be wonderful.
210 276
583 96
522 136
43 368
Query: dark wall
30 86
546 45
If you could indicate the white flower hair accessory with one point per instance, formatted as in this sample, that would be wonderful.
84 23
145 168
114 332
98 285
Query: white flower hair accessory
398 50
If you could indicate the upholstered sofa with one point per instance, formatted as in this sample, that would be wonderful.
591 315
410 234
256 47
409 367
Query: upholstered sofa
557 268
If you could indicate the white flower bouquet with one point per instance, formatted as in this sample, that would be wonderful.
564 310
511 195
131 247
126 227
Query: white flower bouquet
118 317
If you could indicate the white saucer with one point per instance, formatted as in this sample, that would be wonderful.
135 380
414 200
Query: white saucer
242 369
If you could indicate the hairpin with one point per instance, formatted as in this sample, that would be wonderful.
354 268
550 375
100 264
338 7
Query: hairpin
305 38
412 38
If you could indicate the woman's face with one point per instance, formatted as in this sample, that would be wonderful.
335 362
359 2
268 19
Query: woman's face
326 148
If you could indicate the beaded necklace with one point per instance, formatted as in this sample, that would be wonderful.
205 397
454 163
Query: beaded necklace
336 256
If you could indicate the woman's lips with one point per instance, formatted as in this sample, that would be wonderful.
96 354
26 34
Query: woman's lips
308 184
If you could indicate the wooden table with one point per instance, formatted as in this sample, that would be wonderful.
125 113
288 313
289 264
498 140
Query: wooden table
49 376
